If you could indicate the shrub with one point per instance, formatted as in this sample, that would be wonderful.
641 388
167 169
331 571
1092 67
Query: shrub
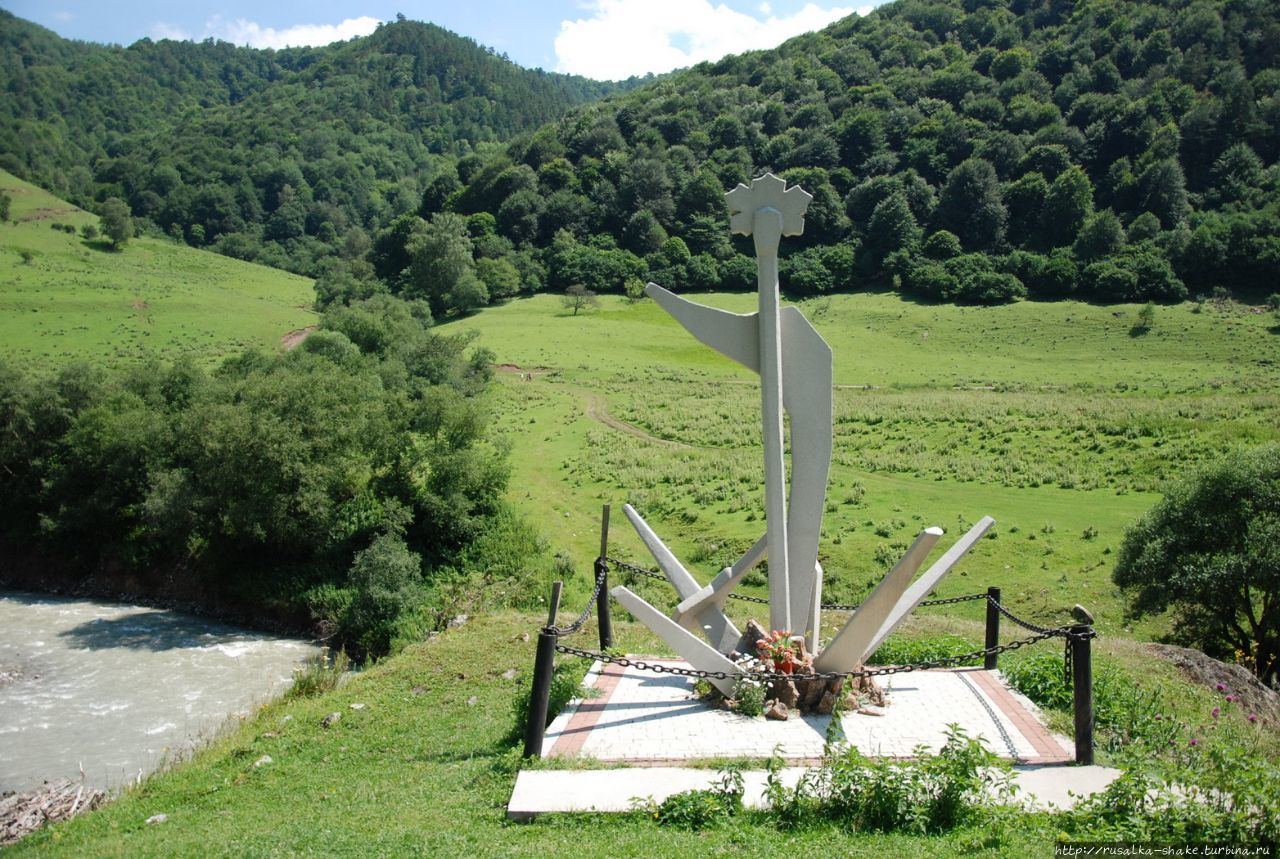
1209 552
319 674
959 786
702 809
749 697
566 684
908 651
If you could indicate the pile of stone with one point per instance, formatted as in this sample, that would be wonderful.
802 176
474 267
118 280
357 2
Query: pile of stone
800 691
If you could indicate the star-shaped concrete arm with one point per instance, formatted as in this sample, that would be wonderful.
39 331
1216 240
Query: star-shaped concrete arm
767 192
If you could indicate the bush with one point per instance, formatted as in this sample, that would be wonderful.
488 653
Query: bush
908 651
566 684
1210 553
320 674
959 786
386 578
703 809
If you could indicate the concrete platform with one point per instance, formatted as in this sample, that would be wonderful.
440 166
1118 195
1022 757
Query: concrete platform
619 790
647 724
647 719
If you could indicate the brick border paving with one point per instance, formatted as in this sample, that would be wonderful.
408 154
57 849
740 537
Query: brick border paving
1051 751
586 715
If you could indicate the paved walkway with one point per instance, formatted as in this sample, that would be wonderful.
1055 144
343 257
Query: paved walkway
650 719
619 790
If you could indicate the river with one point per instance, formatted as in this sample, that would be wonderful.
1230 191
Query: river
119 689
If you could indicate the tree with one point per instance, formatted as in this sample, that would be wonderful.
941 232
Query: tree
892 227
1162 190
578 297
1066 206
116 221
1209 552
1146 318
5 202
971 206
440 255
1102 235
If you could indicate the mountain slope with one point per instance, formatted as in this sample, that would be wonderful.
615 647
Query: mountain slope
968 151
76 300
201 139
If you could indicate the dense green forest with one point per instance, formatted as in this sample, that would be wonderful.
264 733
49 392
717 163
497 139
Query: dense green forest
970 151
281 156
342 487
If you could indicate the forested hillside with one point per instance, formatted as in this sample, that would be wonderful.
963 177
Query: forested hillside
966 150
969 150
279 156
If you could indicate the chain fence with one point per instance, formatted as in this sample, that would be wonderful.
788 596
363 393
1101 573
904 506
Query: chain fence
549 644
1041 633
654 574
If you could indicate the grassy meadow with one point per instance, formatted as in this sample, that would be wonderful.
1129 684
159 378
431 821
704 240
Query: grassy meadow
76 299
1062 420
1057 419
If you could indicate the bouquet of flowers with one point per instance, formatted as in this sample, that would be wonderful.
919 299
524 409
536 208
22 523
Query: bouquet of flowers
778 648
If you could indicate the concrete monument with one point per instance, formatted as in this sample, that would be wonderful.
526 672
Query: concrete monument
794 364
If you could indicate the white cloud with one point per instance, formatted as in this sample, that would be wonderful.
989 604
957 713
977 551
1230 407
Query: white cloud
244 32
161 30
632 37
253 34
64 16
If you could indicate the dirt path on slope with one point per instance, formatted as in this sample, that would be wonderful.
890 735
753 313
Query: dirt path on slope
291 340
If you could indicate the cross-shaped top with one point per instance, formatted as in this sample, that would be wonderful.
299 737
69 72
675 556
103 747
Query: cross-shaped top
767 192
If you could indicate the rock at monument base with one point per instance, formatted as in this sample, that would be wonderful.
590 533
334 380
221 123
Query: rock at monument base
868 688
779 712
784 691
826 705
752 633
809 691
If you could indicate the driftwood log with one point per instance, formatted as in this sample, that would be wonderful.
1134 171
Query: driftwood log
21 813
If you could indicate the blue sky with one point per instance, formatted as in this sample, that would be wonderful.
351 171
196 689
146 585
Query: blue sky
598 38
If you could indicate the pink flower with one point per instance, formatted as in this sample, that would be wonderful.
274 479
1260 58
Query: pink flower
1215 712
1253 717
1231 698
1194 741
1221 687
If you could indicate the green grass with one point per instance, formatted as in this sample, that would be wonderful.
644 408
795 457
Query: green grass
419 771
1053 418
426 768
78 300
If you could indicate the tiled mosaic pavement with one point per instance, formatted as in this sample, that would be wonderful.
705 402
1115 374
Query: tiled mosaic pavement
643 718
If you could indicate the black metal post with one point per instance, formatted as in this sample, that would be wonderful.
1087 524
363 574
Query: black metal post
543 667
1082 690
993 628
603 618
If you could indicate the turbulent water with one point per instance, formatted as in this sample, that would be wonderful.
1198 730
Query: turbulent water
118 689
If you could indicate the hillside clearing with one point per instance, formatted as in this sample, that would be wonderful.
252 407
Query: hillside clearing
78 300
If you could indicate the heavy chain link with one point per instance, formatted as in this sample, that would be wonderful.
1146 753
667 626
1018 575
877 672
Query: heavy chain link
653 574
991 714
561 632
943 662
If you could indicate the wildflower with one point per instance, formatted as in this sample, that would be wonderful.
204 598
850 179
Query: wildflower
1221 687
1215 712
1159 718
1194 741
1253 717
1230 698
